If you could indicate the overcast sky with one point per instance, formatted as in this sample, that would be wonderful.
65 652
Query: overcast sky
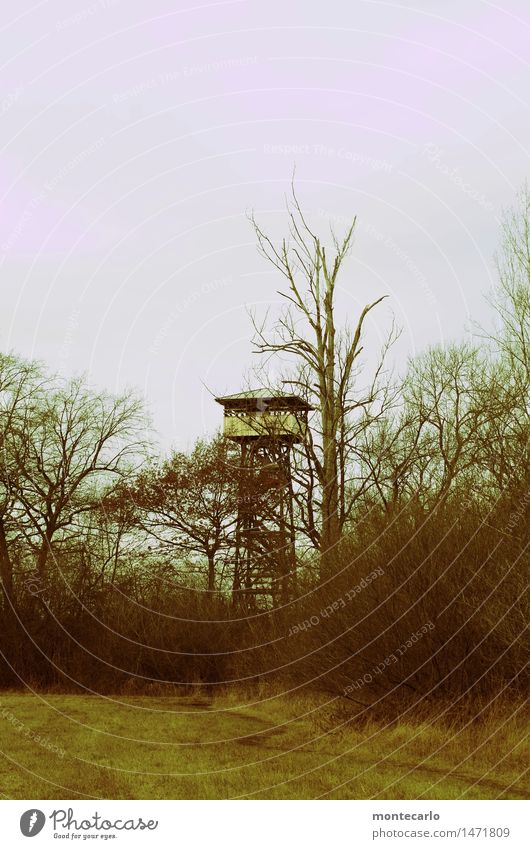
137 136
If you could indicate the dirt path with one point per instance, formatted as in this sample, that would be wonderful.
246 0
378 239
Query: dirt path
475 780
266 740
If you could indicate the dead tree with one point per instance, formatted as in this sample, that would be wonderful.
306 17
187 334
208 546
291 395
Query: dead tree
326 363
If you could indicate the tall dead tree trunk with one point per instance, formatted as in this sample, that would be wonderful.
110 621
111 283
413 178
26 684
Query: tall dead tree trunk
6 567
326 361
211 572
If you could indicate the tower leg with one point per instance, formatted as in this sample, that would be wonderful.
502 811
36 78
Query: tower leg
292 529
236 582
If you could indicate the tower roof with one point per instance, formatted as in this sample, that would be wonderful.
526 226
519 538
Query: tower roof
260 399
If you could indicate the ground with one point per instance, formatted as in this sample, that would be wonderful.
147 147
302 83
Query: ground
80 746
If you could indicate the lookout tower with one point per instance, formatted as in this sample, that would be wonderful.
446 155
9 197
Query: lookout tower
265 425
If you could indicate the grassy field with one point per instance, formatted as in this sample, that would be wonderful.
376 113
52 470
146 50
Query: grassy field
69 746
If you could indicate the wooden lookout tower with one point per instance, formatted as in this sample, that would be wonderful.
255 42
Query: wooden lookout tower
265 425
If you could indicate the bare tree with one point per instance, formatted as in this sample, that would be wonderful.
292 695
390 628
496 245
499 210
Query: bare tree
511 299
394 456
506 439
188 503
21 382
443 396
326 364
68 448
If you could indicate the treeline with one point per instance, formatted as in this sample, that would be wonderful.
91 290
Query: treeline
412 501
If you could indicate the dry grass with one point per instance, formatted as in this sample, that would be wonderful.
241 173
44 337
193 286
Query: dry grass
247 745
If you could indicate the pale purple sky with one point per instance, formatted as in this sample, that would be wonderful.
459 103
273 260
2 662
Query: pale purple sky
136 136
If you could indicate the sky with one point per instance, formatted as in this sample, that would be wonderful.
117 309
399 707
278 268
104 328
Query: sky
136 138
